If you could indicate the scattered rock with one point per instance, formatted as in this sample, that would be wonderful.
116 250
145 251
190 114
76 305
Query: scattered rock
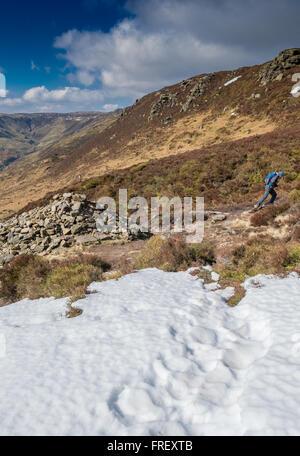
255 96
279 77
167 120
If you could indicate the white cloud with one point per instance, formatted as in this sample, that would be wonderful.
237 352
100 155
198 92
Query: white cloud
169 40
85 78
67 99
129 62
110 107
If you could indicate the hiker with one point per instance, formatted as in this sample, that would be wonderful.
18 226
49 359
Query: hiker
271 181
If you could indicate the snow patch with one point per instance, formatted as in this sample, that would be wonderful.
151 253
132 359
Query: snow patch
231 81
154 353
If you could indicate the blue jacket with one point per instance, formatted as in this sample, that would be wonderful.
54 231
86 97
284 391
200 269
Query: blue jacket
272 179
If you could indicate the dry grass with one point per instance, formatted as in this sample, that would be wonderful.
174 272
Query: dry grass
33 277
73 312
30 276
260 255
195 131
294 196
172 255
267 215
125 266
296 233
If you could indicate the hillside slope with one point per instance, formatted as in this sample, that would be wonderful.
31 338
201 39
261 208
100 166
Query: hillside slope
22 134
218 111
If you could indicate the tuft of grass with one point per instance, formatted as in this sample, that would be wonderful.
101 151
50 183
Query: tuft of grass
70 279
266 215
292 261
173 255
239 293
92 183
31 276
23 277
294 196
202 274
260 255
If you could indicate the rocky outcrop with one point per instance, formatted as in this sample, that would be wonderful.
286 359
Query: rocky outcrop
170 99
68 220
275 70
165 100
196 91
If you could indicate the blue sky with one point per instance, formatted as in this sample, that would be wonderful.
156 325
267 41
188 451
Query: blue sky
101 54
29 29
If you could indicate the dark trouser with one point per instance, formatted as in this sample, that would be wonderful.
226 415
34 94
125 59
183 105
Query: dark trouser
271 191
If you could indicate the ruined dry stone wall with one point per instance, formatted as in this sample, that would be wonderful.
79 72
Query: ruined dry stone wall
68 220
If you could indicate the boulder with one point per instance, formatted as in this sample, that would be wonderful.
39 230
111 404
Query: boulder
86 239
76 206
5 258
77 228
219 217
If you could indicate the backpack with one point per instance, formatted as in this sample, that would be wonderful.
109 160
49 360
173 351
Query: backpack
269 177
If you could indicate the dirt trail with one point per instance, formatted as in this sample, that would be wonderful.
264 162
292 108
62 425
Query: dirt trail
112 253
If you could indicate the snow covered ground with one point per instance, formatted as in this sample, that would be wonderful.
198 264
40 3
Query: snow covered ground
154 353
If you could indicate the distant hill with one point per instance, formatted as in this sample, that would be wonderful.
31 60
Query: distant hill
241 116
22 134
